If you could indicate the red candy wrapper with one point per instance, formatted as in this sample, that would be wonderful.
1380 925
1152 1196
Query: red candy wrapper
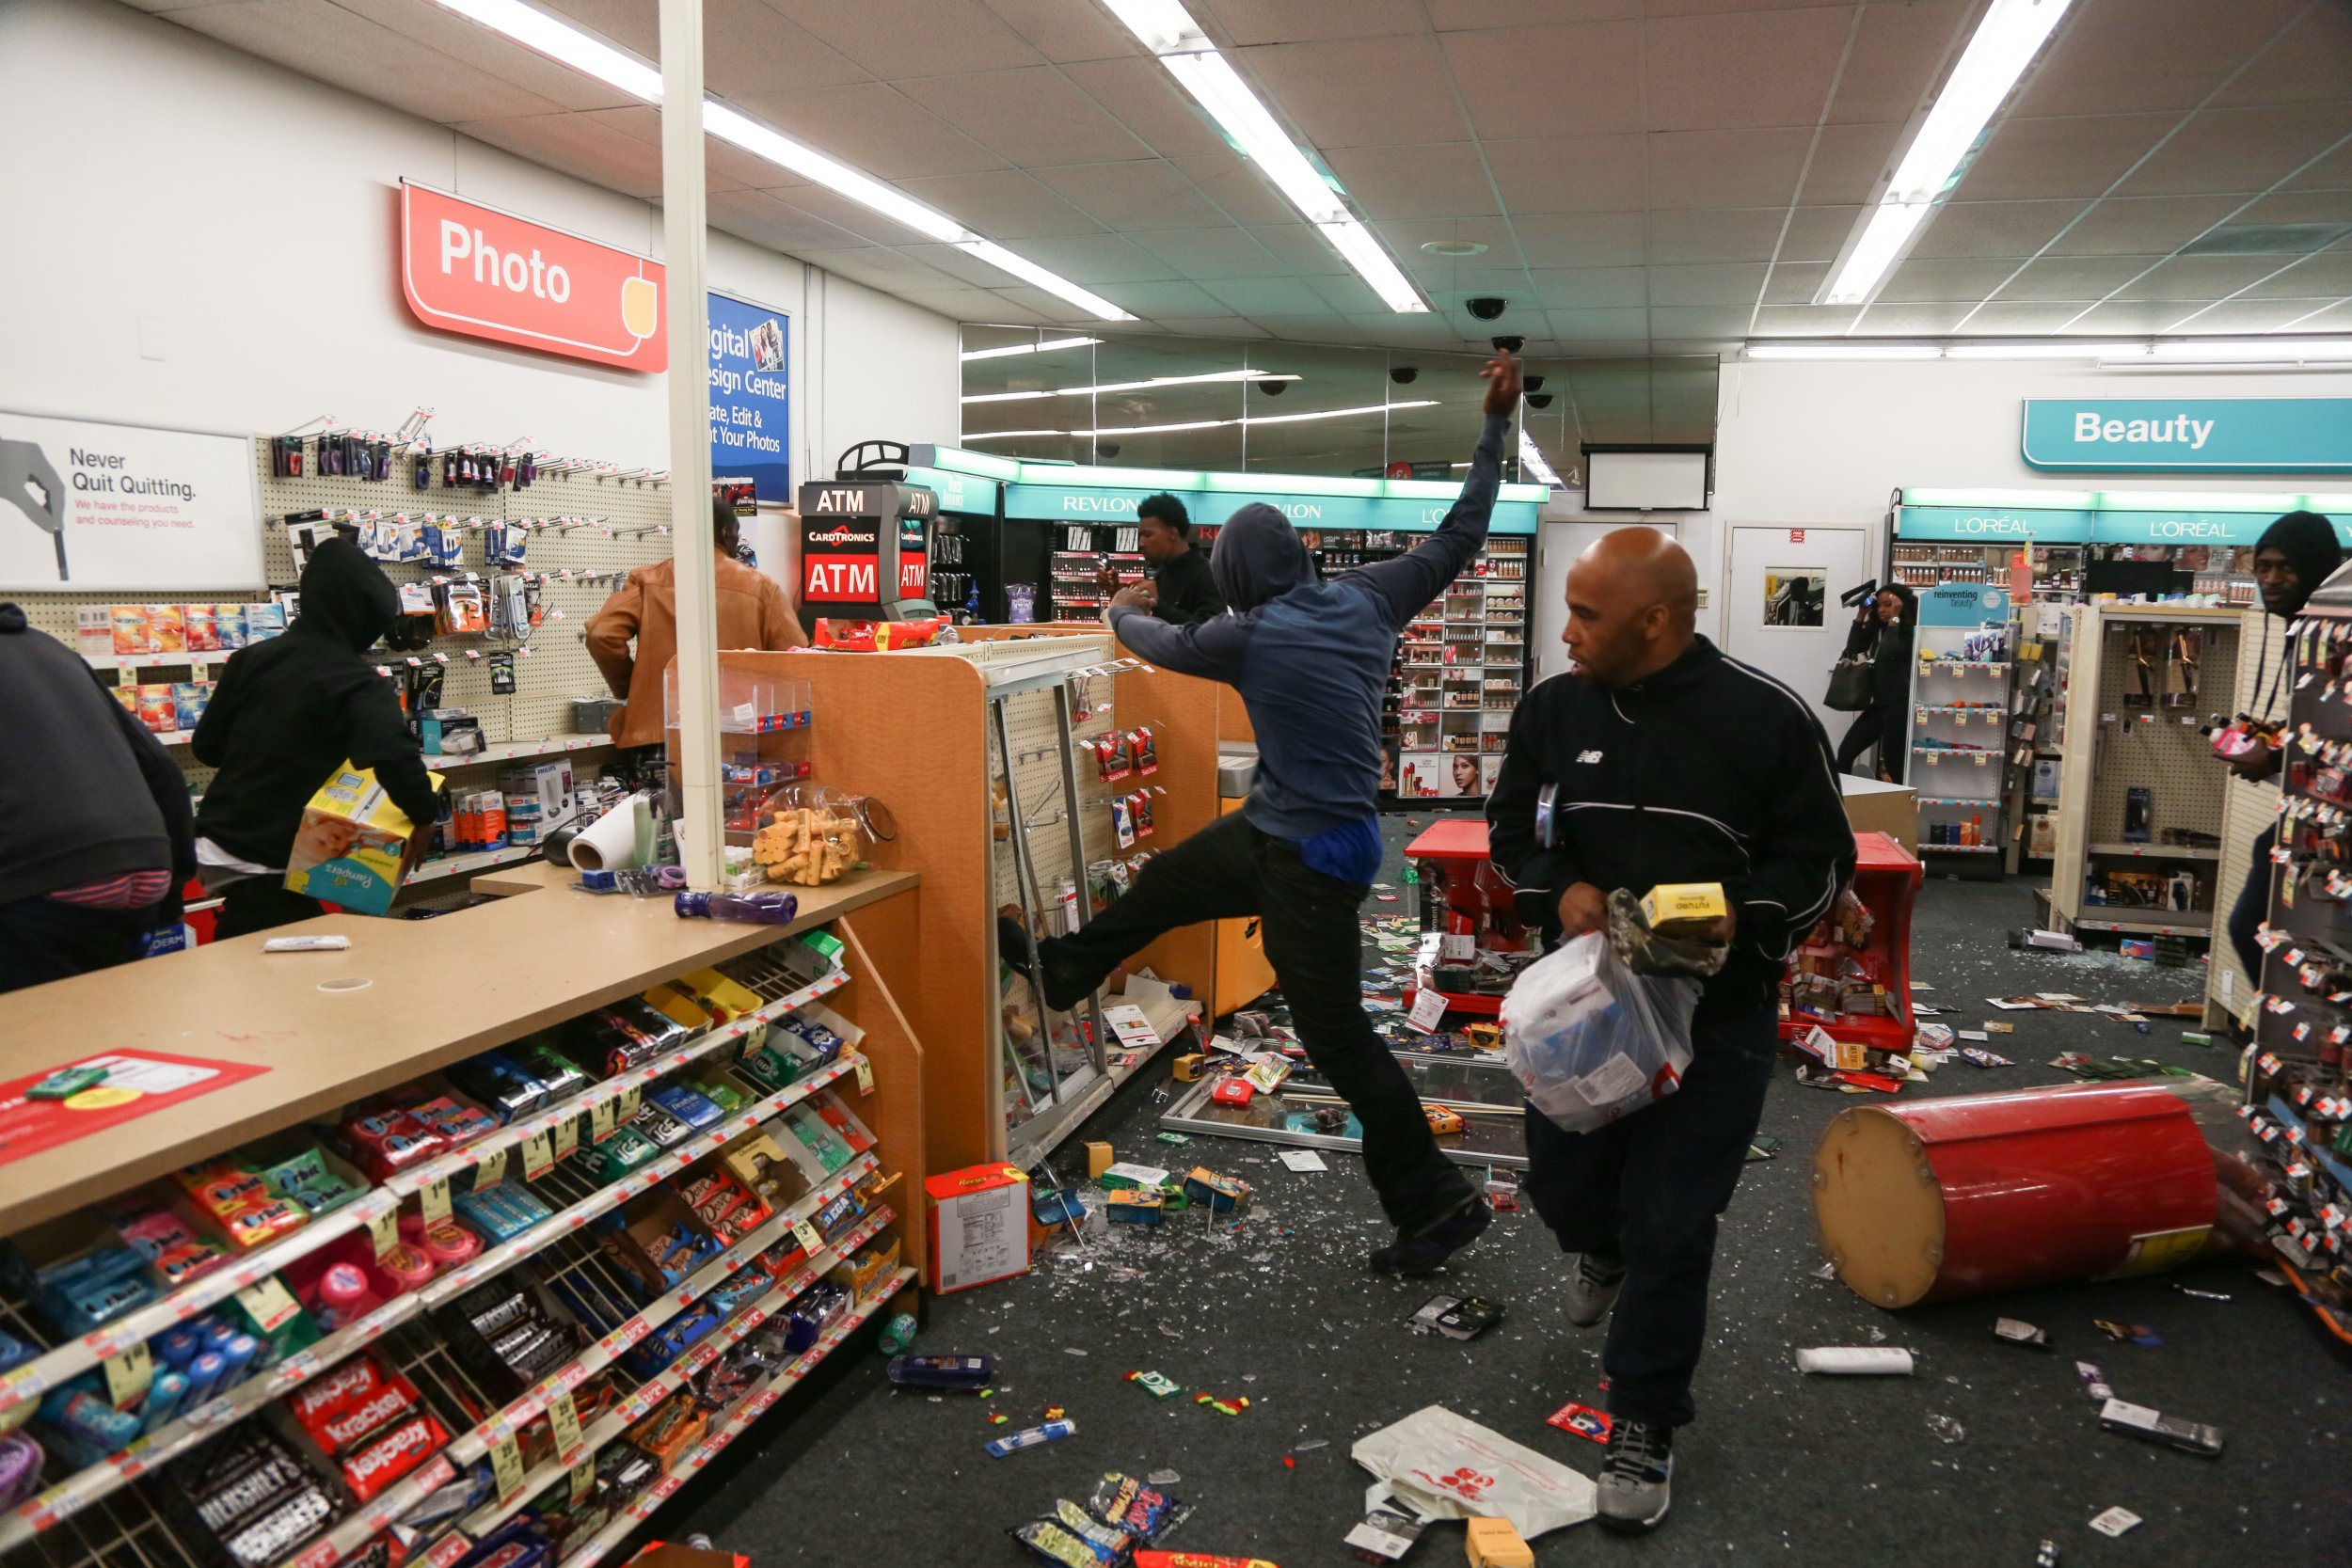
393 1455
1583 1420
341 1430
354 1379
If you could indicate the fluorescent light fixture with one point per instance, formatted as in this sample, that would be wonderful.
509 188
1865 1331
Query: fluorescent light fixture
1532 460
1167 29
2056 349
1844 350
1134 386
590 55
2005 43
1005 397
2256 351
1159 429
1010 351
1008 435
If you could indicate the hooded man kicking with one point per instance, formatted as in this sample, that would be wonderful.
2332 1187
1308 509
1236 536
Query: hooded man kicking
1310 659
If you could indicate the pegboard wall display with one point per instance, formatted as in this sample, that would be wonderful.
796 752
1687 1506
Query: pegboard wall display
2159 683
1038 782
583 527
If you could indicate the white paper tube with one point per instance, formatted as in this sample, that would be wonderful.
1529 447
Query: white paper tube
610 842
1856 1360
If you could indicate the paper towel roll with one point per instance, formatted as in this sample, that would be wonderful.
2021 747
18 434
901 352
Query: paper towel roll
610 842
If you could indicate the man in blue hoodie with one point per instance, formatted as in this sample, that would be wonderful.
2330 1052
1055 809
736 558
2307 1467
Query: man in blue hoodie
1310 659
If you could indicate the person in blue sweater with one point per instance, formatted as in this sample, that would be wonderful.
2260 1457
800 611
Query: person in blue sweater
1310 659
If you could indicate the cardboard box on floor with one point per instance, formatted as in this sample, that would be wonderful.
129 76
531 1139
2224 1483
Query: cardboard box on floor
661 1554
1874 807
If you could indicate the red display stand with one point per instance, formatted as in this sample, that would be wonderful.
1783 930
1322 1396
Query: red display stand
1886 879
1456 872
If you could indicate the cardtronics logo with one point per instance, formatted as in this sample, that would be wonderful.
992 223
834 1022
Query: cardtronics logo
844 534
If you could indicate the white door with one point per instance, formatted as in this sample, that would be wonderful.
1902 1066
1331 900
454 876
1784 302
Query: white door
1781 614
1557 545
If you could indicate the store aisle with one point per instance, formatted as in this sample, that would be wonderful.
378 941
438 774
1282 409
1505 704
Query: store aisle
1779 1468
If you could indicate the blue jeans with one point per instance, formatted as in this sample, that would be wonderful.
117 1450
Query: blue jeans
1648 1188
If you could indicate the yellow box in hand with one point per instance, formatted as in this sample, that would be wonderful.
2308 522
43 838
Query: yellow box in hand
1683 911
349 847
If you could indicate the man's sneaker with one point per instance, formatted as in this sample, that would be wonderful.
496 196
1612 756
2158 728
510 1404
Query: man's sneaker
1592 1289
1635 1478
1425 1251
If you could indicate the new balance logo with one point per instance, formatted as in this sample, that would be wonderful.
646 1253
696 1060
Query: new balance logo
1588 757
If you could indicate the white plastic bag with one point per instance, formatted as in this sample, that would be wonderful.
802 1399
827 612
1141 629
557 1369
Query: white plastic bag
1590 1040
1442 1466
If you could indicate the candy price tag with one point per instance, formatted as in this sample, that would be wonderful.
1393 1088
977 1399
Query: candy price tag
630 1099
864 1076
563 1422
268 1305
583 1480
538 1157
491 1171
601 1121
506 1461
128 1375
811 1243
566 1137
383 1230
435 1199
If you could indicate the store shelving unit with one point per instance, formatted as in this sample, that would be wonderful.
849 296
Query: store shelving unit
2136 847
1960 711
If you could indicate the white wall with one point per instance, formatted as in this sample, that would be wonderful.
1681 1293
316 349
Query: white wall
197 238
1829 442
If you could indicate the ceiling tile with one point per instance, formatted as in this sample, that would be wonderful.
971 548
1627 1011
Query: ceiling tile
1097 259
768 219
1223 252
1739 234
1699 322
748 47
2123 56
2081 277
1443 277
1349 294
1064 32
630 23
971 304
2325 275
2336 317
538 76
1589 288
880 267
1712 73
2145 226
1724 168
874 128
1707 7
1324 327
723 165
1849 163
347 50
1236 187
1795 282
1964 279
1248 22
2311 61
1133 197
1898 53
1909 320
1803 320
1030 118
2332 172
1048 307
1260 296
1613 325
965 268
1406 236
1818 234
2244 315
2028 160
1565 80
899 38
1730 283
2200 277
2013 228
1003 204
842 212
1154 299
1457 16
2299 207
576 145
1321 88
1568 174
1435 182
2004 317
2127 317
1303 251
2240 150
1141 95
1582 239
1217 326
1423 334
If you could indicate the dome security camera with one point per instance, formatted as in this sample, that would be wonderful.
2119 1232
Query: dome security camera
1539 399
1405 375
1107 449
1533 383
1271 388
1508 343
1486 307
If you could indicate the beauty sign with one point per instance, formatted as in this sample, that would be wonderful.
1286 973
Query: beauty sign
2240 435
476 271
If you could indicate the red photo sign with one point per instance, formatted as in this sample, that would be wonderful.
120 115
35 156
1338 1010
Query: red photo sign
486 274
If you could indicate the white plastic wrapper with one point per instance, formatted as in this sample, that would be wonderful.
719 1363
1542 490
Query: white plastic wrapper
1590 1040
1445 1467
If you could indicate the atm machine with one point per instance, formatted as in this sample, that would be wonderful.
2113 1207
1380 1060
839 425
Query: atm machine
865 539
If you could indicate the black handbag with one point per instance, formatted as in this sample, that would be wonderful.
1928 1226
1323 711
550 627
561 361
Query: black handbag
1850 683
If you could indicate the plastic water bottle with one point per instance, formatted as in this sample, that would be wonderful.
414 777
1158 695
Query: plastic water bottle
1412 892
897 1334
765 908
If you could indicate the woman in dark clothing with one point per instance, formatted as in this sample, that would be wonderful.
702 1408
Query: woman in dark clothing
1885 630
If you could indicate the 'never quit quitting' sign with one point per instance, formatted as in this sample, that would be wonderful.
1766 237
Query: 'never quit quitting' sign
2189 435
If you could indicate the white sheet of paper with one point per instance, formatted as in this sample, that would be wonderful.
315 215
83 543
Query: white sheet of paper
1428 1011
1303 1159
1132 1029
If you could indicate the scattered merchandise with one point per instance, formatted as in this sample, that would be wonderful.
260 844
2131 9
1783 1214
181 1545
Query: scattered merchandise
1856 1361
2114 1521
1583 1420
1455 1316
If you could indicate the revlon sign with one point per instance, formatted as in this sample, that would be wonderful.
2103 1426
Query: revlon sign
486 274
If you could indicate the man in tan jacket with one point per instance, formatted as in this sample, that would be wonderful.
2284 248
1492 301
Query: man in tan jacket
753 613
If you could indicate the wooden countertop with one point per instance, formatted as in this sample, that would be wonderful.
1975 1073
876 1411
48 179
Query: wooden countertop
442 990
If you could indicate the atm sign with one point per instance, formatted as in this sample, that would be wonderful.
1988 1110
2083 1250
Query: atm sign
839 580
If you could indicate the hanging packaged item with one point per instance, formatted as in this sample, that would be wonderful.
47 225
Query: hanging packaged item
463 610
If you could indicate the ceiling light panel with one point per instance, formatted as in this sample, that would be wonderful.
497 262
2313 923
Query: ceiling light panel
1167 29
1049 346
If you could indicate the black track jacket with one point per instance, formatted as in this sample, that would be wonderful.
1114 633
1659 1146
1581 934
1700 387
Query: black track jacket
1707 771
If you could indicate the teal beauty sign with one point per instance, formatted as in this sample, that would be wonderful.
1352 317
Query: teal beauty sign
2189 435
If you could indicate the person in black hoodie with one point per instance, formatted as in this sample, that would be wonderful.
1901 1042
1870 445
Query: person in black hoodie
288 712
2295 554
1659 760
96 837
1886 630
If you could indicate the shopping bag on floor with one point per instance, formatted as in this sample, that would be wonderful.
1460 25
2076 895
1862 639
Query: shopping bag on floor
1446 1467
1590 1040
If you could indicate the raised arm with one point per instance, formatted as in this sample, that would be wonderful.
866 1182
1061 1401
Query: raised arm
1212 650
1411 581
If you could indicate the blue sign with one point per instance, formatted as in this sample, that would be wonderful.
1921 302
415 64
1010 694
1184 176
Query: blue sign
751 403
1963 604
1995 525
2294 435
958 492
1058 503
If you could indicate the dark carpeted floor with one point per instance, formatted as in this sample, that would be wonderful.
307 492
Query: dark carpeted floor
1779 1467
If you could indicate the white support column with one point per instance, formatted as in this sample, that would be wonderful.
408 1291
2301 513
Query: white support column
684 241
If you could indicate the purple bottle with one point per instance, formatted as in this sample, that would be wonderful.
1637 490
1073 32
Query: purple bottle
763 907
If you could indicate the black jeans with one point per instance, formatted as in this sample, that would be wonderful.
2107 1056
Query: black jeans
42 939
253 904
1650 1188
2253 906
1229 870
1887 728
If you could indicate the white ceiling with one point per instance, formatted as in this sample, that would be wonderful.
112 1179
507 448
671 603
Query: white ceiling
1650 176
